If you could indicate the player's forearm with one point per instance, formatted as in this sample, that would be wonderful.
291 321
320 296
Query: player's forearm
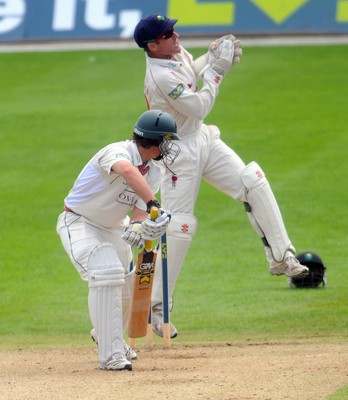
198 64
198 104
138 214
135 180
138 183
195 105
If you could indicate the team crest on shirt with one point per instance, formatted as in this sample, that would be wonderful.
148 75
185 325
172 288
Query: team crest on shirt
174 94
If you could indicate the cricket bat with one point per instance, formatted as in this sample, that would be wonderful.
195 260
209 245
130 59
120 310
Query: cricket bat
142 289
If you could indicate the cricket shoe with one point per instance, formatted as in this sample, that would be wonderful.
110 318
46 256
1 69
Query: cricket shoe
129 353
289 267
118 362
157 322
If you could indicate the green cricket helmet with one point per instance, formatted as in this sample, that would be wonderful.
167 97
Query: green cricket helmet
160 127
317 271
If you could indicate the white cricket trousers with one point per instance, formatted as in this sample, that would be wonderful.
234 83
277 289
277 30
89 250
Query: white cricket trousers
203 156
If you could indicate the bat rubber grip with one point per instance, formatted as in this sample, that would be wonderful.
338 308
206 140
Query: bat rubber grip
153 215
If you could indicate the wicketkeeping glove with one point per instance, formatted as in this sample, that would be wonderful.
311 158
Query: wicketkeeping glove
223 63
133 235
237 52
214 48
154 229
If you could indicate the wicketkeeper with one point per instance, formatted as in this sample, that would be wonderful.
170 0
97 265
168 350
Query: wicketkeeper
96 232
171 84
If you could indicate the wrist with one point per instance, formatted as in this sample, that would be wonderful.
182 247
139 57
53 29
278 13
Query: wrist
152 203
212 75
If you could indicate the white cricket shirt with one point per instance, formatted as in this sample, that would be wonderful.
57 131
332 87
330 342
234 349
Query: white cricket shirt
103 196
171 86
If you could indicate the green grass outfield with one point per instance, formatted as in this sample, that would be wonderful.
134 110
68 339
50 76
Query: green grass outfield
285 107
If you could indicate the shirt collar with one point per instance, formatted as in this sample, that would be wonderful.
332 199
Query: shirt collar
172 64
135 154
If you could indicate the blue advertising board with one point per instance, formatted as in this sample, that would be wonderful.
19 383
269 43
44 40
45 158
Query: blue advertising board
33 20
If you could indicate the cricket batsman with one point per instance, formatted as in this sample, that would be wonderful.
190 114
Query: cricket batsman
171 84
97 234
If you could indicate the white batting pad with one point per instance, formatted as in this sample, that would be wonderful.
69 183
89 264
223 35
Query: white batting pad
127 297
106 278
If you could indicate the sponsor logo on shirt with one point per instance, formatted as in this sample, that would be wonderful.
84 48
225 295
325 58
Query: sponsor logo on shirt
126 197
173 64
177 91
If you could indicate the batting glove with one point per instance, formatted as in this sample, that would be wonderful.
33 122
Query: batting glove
133 235
154 229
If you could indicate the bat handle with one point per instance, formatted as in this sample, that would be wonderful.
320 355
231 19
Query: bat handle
153 215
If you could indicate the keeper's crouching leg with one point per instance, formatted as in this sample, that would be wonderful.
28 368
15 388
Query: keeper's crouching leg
106 278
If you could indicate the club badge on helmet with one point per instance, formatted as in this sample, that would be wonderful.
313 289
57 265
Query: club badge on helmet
317 271
161 127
